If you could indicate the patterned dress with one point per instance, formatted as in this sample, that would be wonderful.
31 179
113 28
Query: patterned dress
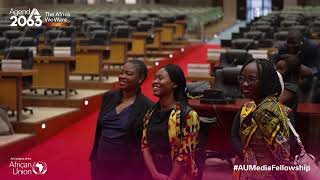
264 134
183 138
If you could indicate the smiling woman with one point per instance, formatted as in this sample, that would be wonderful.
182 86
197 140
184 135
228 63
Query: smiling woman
116 153
260 133
171 127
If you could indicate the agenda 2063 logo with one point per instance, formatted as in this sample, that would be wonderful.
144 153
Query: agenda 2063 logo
24 18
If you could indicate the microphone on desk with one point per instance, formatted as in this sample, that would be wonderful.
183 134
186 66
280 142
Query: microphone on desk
247 47
58 37
19 44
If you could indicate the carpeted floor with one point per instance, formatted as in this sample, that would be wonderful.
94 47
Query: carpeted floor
66 154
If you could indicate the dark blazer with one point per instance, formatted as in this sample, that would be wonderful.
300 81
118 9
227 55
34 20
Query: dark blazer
141 104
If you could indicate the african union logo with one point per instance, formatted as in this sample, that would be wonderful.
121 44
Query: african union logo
39 168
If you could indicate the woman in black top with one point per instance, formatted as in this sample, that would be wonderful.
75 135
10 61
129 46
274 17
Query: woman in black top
116 152
170 133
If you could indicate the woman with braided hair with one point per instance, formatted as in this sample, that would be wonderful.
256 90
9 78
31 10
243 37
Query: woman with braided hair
260 133
171 127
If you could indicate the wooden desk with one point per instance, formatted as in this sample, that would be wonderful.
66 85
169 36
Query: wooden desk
138 44
181 28
89 60
118 51
156 44
53 72
167 33
11 89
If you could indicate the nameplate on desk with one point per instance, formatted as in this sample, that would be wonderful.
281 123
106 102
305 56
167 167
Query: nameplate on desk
214 54
11 64
62 51
259 54
199 69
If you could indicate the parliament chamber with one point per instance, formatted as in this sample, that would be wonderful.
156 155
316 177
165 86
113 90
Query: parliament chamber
53 76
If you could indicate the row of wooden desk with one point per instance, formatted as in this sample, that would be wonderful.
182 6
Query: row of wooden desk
11 89
52 72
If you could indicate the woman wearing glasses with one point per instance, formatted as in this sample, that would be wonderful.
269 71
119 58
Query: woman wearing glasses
260 132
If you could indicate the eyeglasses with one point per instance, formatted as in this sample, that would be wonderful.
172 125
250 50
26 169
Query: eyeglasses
249 80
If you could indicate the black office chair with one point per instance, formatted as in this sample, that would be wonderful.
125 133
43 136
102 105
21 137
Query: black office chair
84 15
25 42
100 37
268 30
4 28
244 29
6 21
263 28
236 35
88 23
295 17
4 43
12 34
169 19
244 44
144 26
287 24
107 22
99 19
116 23
28 42
26 56
68 30
157 22
301 28
315 26
53 34
258 23
266 43
181 17
123 17
107 15
227 81
256 35
153 15
281 35
77 22
133 22
234 57
34 31
64 42
122 31
94 27
225 43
